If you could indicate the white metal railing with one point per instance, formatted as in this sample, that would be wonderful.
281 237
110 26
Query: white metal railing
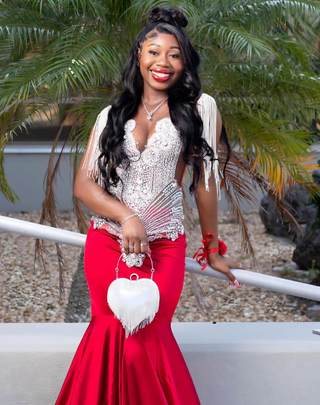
244 276
30 147
42 231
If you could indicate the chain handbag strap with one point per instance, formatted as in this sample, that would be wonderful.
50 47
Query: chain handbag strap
135 274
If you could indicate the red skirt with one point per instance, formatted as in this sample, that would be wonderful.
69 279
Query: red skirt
146 368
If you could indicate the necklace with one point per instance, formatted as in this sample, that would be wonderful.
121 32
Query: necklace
150 113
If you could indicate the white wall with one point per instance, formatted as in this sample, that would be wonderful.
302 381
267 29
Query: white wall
25 168
231 363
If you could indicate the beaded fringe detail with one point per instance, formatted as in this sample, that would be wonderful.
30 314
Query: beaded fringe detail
90 162
145 322
208 114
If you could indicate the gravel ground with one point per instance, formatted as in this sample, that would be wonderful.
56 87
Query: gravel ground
30 295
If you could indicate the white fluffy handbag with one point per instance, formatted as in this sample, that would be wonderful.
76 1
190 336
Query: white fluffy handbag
134 301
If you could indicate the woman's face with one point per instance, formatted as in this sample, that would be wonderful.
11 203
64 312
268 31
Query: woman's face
161 63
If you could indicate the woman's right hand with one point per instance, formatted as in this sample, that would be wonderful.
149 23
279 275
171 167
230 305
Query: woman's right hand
133 234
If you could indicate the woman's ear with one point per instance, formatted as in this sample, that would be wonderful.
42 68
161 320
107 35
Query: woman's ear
138 54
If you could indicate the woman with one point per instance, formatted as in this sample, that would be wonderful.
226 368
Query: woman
137 154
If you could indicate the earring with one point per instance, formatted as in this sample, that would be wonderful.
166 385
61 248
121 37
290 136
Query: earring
138 63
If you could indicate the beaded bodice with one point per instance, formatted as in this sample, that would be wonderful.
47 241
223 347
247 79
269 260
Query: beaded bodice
150 170
148 184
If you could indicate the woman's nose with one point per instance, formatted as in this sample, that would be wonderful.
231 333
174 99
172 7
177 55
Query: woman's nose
163 61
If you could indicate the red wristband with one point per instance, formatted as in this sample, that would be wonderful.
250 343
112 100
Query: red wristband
213 250
202 253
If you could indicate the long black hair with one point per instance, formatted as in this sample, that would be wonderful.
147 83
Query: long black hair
182 100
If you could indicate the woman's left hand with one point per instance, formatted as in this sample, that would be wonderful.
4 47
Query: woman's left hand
224 264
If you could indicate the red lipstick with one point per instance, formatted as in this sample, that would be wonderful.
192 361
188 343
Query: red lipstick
161 75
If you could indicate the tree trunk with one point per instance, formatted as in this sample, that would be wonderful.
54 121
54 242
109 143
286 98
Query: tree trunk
79 299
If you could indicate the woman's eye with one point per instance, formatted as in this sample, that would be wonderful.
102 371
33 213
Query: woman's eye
156 53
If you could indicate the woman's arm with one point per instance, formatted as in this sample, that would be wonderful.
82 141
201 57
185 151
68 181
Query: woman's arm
207 201
94 196
207 204
100 202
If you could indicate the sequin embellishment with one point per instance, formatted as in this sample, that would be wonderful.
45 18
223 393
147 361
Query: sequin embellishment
149 187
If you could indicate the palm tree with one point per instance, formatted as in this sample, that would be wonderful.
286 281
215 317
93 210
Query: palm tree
259 61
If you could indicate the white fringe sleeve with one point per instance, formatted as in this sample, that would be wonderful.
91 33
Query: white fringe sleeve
90 162
208 112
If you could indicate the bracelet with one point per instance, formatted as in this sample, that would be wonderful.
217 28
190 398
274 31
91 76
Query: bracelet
202 253
126 219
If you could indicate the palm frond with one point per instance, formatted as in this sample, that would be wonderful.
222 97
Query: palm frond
49 213
237 39
240 177
5 189
259 59
69 70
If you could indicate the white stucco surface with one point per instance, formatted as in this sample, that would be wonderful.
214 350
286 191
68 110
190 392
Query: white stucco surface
230 363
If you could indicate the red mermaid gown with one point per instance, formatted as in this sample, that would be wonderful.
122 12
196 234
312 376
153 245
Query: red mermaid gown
148 367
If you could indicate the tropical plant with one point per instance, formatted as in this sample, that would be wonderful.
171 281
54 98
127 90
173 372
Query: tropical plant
259 61
316 201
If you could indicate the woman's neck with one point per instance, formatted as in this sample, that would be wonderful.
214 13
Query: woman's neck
154 97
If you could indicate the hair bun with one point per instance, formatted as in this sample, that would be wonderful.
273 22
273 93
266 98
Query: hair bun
173 16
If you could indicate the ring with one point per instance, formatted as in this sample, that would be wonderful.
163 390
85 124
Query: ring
143 244
131 247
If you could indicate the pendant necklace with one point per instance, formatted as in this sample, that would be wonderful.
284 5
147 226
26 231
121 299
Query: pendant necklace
150 113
